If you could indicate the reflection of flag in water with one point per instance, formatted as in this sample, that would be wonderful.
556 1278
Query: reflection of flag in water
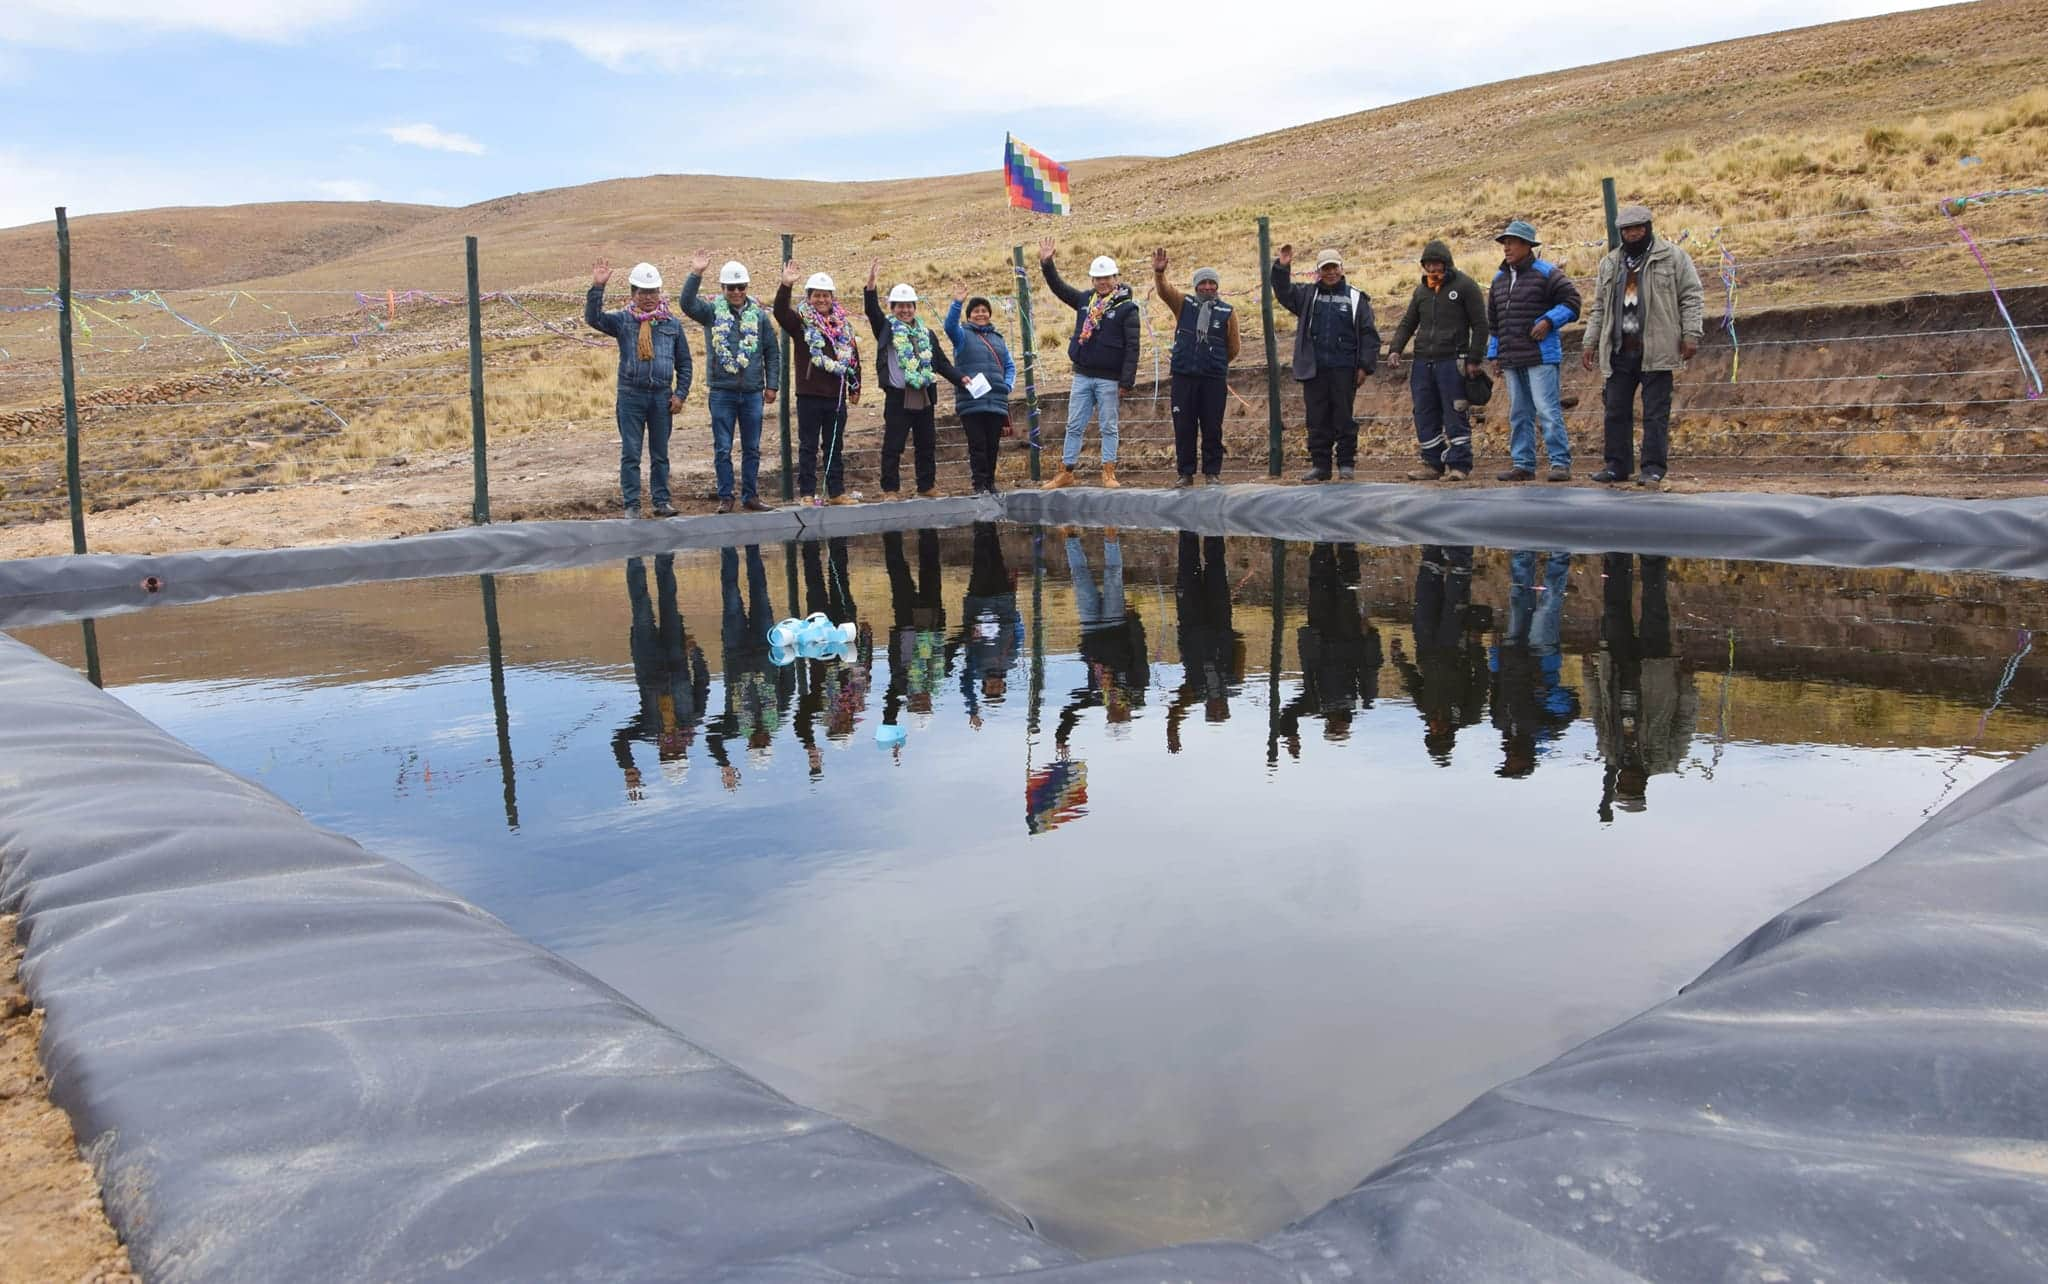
1036 181
1055 794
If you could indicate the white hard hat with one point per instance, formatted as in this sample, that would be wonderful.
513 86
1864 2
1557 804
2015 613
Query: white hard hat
1102 266
902 293
733 273
820 281
644 276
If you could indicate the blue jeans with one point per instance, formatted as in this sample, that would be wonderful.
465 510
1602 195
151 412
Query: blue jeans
643 410
1534 618
730 407
1100 396
1097 607
1435 387
1533 395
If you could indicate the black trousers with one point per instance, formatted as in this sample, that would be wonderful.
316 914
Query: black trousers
916 426
820 426
1198 402
1620 397
984 442
1331 429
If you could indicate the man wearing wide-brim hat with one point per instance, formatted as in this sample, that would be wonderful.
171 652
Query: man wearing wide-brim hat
1531 299
1644 324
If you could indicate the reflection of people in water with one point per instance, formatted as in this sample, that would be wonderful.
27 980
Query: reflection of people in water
1531 704
669 669
1340 650
917 637
835 689
1112 640
757 690
1644 706
1447 678
1211 651
992 629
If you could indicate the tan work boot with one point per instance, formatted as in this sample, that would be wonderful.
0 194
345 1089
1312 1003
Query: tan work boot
928 492
1060 480
1424 474
1109 480
839 500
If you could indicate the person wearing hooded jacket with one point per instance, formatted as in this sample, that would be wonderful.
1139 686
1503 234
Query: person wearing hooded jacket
1644 324
979 349
1104 351
654 378
1335 347
1530 300
1447 319
909 363
1205 342
826 376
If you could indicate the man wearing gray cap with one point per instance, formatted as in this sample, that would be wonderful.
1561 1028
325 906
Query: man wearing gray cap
1645 323
1530 301
1335 347
1205 342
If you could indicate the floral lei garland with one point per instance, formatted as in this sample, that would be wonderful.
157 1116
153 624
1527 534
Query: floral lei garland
836 329
726 327
913 345
1099 307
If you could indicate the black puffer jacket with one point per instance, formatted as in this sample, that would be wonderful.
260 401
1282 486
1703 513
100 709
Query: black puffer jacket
1519 296
1450 322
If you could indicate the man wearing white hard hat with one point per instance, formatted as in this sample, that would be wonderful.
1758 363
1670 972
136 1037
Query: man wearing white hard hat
1335 347
1104 351
825 378
745 371
909 362
654 377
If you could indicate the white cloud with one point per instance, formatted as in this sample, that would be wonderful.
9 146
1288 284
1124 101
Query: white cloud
345 189
433 139
82 24
397 57
637 45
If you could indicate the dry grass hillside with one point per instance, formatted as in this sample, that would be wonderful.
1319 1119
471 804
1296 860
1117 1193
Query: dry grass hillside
1815 158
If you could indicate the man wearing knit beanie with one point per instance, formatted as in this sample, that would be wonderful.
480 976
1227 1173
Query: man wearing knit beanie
1205 342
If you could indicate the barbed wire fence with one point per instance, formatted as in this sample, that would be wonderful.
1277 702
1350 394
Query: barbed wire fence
1805 372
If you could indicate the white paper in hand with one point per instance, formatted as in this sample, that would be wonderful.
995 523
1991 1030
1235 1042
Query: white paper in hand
977 385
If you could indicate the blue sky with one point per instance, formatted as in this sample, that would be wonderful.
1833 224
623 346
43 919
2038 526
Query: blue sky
128 104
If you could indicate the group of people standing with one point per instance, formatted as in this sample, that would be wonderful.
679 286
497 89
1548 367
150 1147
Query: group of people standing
1643 322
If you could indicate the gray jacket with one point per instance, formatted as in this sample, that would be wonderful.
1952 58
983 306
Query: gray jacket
1672 307
764 365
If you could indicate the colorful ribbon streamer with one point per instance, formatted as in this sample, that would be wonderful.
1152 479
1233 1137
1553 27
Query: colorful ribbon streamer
1949 210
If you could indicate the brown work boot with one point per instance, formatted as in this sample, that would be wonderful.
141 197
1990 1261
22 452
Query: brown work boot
725 505
1424 473
837 500
1060 480
1109 480
929 492
1456 474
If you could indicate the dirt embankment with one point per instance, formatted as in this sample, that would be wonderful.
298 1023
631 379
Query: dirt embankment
52 1227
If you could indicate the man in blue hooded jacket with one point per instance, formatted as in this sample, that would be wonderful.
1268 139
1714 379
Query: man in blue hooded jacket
1530 301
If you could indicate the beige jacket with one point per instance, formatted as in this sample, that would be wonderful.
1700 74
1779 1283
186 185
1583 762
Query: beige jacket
1672 307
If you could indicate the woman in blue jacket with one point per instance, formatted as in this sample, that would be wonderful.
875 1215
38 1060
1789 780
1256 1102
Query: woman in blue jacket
978 349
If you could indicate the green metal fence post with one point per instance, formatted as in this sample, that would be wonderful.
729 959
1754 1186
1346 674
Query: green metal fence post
1272 347
783 399
1030 353
1607 198
70 376
480 504
494 640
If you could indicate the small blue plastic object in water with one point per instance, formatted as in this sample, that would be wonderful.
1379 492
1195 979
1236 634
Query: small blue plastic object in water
785 633
781 656
889 735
